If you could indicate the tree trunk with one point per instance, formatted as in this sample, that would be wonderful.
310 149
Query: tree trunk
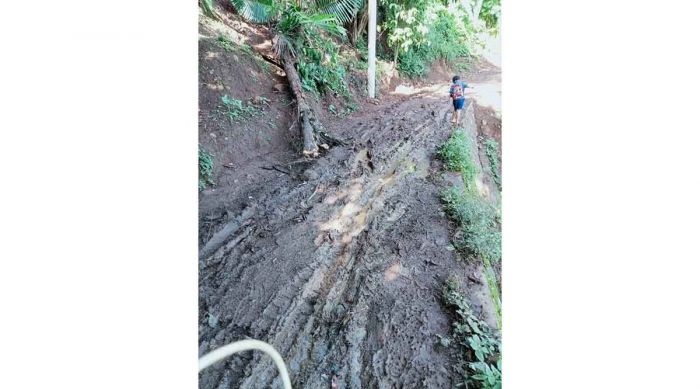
311 128
360 24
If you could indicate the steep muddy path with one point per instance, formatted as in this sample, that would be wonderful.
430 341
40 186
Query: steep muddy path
339 262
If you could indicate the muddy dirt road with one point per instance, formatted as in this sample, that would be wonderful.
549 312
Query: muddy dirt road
339 262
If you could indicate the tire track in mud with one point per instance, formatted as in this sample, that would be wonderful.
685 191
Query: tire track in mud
342 274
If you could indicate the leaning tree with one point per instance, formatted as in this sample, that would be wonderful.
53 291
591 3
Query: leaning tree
293 25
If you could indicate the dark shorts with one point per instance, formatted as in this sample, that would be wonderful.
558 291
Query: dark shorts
458 103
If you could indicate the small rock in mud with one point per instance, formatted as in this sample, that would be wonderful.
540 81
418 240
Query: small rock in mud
261 100
213 321
279 88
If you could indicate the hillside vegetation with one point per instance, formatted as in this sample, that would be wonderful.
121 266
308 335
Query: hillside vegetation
307 37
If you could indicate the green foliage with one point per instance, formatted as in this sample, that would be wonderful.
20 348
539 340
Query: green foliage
457 155
302 32
297 23
343 10
481 357
478 222
258 11
305 33
448 38
412 64
206 168
490 276
494 161
208 8
225 43
406 23
264 11
491 13
422 31
320 67
318 60
236 110
349 109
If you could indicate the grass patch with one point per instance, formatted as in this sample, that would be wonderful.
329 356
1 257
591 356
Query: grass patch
206 168
236 110
480 356
493 289
480 233
225 43
494 161
457 155
230 46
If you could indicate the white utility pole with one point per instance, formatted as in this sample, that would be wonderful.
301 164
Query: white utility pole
371 47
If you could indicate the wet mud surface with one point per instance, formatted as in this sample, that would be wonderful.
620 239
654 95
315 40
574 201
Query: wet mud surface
339 262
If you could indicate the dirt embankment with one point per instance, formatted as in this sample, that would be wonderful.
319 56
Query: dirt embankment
337 262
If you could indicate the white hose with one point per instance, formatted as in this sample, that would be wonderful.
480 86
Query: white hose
245 345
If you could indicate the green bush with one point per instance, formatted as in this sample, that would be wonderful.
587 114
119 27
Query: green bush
423 32
236 110
412 64
448 39
491 13
478 222
320 67
457 155
225 43
206 168
480 363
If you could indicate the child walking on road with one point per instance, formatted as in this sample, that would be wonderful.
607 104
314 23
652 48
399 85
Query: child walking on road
457 96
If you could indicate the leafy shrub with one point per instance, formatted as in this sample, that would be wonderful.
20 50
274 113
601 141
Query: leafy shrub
423 32
208 8
491 13
225 43
481 360
457 155
478 221
320 67
412 64
206 168
235 110
448 38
